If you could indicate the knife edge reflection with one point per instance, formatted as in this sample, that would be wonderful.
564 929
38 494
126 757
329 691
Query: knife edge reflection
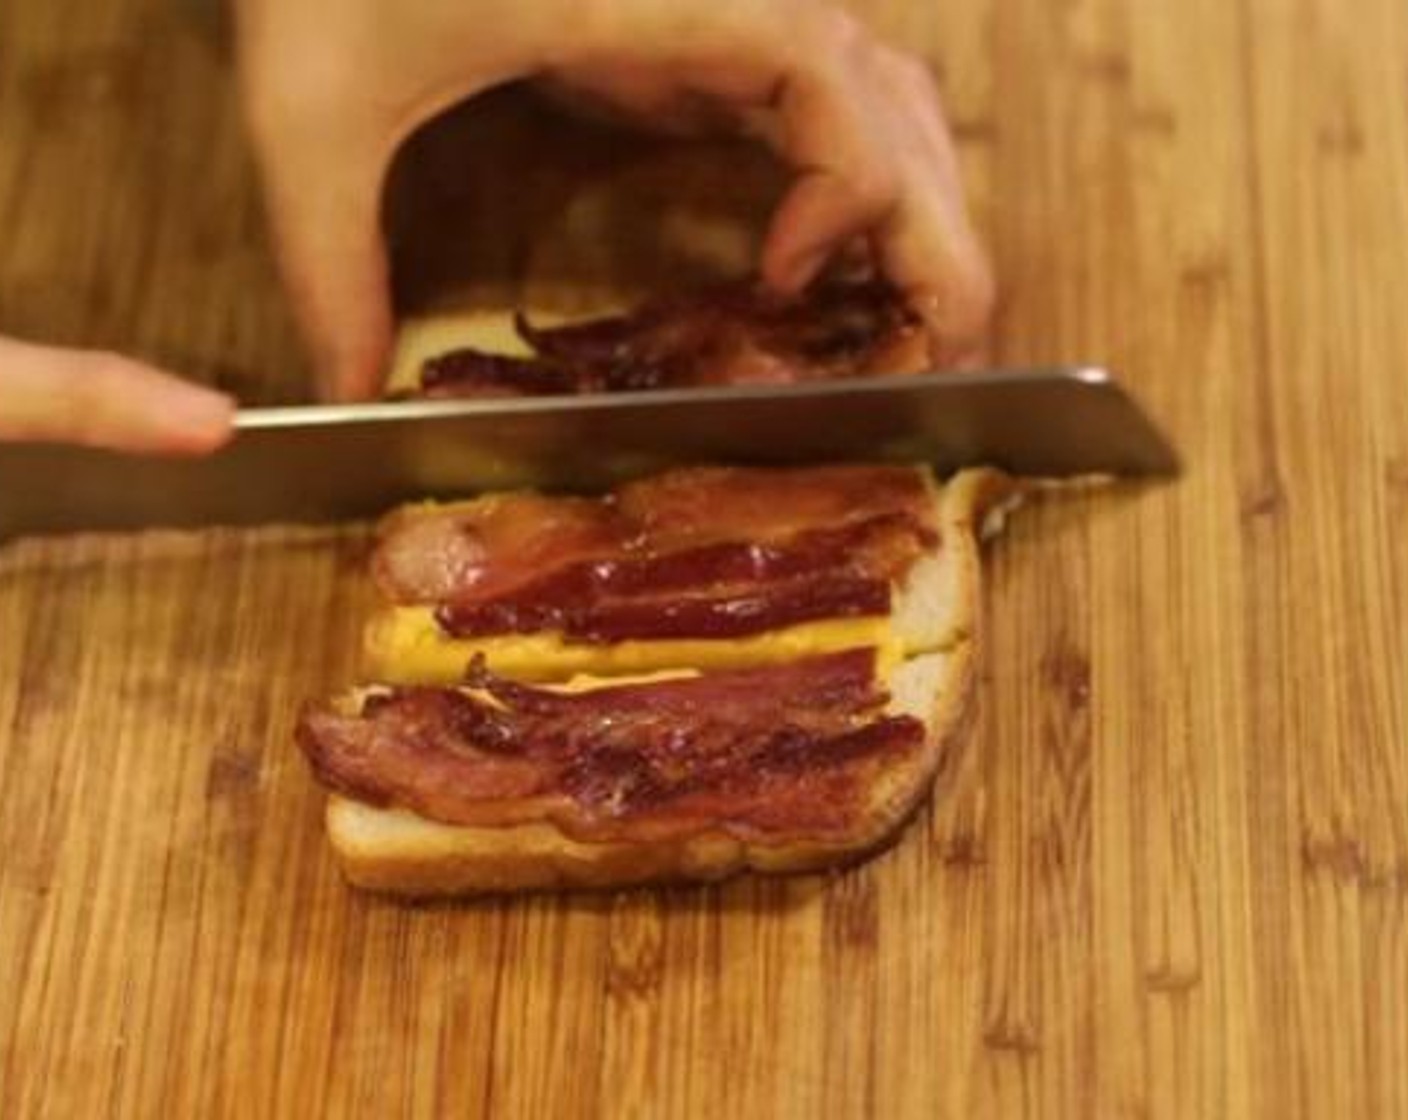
251 419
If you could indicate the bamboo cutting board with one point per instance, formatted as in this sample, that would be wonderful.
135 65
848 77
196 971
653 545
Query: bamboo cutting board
1171 875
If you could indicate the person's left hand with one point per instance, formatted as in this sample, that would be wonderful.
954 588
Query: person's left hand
57 394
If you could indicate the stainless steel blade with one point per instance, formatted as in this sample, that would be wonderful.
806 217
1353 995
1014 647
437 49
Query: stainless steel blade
343 462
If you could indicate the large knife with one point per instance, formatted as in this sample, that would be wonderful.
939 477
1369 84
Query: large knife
313 464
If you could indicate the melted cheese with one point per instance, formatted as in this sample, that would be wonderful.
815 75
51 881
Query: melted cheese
403 645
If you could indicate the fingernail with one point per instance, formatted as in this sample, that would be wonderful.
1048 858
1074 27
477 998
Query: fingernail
197 418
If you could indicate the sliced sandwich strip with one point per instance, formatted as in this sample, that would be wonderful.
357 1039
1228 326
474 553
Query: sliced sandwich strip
701 569
496 786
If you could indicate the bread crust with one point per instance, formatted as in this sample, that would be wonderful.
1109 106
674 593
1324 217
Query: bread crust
395 851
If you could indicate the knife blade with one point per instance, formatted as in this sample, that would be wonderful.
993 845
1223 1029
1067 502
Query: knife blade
343 462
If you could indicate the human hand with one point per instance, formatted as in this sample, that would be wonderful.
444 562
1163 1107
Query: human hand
105 400
333 87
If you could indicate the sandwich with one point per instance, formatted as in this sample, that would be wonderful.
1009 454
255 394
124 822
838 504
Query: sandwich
706 672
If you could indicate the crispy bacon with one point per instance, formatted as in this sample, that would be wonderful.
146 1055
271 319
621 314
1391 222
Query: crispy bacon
727 335
731 614
716 590
785 748
473 373
731 503
700 528
491 546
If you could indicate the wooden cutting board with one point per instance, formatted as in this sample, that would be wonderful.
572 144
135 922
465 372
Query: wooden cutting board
1171 877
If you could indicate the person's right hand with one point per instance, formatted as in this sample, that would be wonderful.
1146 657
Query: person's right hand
105 400
332 88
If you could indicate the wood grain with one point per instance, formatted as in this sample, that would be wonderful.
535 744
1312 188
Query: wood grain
1171 876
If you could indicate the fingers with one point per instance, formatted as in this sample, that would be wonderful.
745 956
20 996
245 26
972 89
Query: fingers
324 206
864 126
330 90
304 84
330 93
821 213
635 95
930 247
105 400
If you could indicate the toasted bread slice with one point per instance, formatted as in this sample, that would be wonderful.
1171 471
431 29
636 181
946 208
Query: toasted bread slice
403 644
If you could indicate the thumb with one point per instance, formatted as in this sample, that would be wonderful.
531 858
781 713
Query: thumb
105 400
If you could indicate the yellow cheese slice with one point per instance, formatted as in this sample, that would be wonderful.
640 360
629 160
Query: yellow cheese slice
403 645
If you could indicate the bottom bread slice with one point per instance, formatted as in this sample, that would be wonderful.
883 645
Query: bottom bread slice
394 850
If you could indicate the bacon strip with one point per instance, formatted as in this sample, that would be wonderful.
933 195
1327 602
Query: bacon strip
666 531
726 615
492 546
785 748
748 587
730 334
731 615
474 373
711 552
